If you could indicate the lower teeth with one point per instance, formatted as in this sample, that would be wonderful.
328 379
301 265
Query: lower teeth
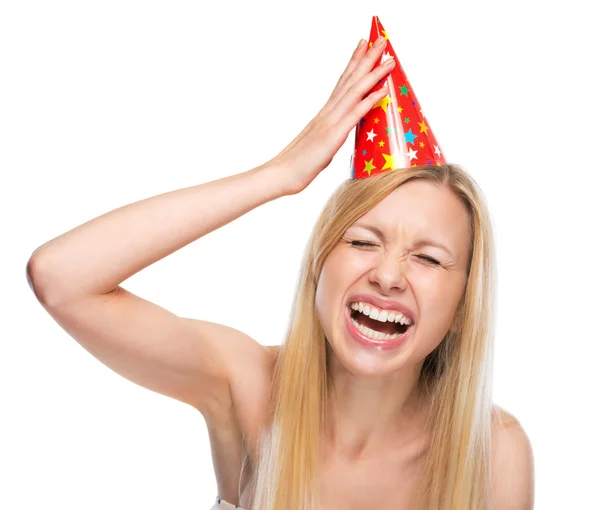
375 335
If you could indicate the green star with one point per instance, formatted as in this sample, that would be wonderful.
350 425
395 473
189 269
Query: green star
404 90
407 120
369 166
390 130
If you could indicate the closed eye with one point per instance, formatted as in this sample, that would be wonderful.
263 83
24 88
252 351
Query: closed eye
429 259
362 243
366 243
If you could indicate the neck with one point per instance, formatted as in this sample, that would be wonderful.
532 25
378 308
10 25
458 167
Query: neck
368 415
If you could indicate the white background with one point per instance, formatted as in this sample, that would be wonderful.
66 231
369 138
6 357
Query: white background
106 103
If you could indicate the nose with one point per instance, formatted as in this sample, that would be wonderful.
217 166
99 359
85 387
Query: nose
389 273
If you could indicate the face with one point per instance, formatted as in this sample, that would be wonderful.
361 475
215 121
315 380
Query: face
394 266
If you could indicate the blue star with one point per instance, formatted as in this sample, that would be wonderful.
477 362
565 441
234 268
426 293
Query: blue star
429 162
362 121
410 137
352 174
364 152
414 102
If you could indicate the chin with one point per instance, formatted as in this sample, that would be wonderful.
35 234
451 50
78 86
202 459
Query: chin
366 362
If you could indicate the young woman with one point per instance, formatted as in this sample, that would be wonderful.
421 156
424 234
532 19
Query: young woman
380 395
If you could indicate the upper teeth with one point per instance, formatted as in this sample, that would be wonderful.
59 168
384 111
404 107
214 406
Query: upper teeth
381 315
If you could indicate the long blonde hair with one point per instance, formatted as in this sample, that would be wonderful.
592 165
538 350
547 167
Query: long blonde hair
456 375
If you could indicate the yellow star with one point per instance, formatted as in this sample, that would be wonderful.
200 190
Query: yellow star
424 128
376 121
369 166
421 144
399 109
385 35
381 143
370 44
383 103
392 161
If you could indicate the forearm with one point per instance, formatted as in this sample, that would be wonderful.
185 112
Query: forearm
98 255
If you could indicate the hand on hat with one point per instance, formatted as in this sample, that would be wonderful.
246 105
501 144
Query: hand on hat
314 148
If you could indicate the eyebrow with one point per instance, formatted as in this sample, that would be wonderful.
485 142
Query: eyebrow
422 242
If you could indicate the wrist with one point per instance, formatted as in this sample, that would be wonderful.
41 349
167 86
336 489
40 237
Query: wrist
277 178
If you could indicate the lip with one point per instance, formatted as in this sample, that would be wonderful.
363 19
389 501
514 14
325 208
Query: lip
370 342
384 304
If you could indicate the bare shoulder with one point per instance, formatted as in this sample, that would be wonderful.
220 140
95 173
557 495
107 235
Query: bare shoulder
512 463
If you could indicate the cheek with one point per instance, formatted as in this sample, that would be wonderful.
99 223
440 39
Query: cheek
320 300
332 284
323 297
440 304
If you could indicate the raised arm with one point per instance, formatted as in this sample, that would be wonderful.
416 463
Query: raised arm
77 276
95 257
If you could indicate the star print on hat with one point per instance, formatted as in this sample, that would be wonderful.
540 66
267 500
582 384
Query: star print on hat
394 133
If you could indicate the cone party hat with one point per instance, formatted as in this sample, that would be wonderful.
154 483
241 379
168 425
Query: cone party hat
394 133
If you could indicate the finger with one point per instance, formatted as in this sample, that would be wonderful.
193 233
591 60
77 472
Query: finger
350 120
364 64
358 91
354 60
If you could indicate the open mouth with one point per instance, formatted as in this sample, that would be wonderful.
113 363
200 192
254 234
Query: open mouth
390 328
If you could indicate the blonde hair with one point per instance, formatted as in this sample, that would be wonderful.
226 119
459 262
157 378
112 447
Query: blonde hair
456 375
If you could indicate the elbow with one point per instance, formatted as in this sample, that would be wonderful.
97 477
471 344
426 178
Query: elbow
37 277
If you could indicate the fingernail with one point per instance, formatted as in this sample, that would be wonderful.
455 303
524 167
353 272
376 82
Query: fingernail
361 43
388 62
380 40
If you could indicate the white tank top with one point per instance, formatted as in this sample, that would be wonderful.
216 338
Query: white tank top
221 504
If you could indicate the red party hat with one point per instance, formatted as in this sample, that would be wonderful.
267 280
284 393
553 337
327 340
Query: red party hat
394 133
